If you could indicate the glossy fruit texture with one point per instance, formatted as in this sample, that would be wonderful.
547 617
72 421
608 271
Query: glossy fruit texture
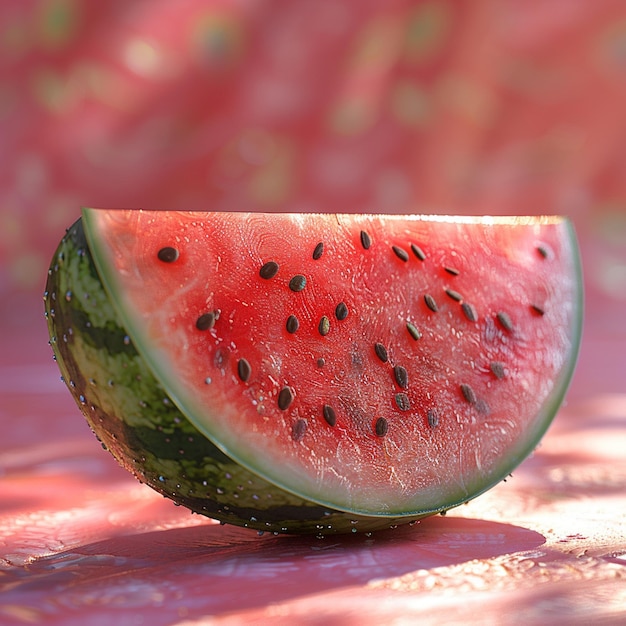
316 373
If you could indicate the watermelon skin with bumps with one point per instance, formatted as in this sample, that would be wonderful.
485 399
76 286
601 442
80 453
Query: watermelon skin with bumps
316 373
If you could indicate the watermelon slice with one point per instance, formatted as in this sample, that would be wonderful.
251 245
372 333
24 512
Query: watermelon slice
316 373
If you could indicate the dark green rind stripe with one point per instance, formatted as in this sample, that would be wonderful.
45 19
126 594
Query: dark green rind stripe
142 428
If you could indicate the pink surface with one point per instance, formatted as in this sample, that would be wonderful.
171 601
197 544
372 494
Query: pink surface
504 107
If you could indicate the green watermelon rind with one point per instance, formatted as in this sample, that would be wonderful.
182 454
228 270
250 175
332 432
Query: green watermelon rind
272 473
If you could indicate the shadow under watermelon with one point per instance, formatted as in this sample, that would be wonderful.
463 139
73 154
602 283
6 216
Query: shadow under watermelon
216 570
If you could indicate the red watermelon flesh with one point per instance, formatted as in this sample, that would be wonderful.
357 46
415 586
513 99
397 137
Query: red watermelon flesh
376 364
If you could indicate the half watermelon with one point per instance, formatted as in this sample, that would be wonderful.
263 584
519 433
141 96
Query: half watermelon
316 373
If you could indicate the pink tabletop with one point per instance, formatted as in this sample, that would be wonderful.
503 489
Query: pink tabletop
482 106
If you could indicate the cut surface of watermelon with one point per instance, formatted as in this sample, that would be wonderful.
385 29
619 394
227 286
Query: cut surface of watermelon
375 364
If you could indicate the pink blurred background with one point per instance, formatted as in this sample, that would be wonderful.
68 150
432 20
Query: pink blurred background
487 106
445 106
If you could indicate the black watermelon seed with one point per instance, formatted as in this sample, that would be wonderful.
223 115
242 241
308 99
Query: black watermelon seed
469 311
539 310
341 311
497 368
433 418
505 320
167 254
318 251
285 398
400 253
299 429
543 250
468 393
324 326
452 270
243 369
401 376
413 331
269 270
402 401
297 283
455 295
292 324
381 427
321 362
205 321
418 252
329 414
381 352
430 303
366 240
